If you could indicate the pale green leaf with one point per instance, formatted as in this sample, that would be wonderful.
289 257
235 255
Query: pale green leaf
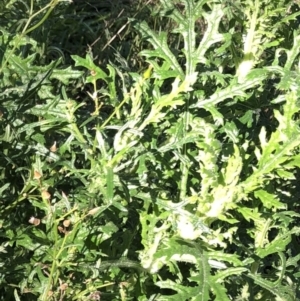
269 200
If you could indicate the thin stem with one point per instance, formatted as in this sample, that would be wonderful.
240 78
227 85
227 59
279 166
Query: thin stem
25 32
184 165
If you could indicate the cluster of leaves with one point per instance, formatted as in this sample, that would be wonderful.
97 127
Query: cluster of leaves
149 160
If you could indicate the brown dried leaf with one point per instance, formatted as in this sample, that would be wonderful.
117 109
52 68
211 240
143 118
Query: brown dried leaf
46 195
34 221
53 148
37 175
63 286
93 211
61 229
66 223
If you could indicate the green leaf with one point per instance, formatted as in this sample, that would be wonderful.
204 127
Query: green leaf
65 75
269 200
286 293
87 62
110 184
161 49
277 245
211 35
254 78
219 291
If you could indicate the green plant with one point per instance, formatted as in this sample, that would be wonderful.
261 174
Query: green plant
177 182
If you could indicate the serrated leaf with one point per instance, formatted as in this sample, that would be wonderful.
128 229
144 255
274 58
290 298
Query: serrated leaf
87 62
286 293
254 78
21 65
65 75
220 276
293 53
268 199
211 35
232 132
161 48
230 258
250 213
219 291
277 245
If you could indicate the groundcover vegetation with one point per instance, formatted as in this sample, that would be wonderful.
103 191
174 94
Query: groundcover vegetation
149 150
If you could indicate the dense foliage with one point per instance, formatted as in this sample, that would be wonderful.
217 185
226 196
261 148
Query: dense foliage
149 150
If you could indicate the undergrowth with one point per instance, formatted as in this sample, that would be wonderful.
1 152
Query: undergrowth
149 150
